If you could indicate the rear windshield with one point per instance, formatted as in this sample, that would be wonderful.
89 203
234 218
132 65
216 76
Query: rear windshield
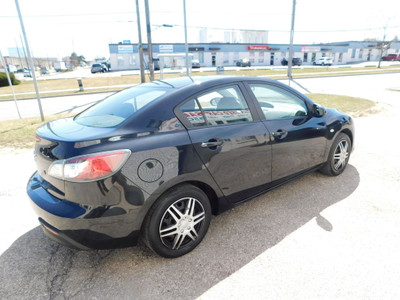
115 109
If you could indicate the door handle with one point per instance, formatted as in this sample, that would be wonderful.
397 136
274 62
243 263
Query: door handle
211 144
280 133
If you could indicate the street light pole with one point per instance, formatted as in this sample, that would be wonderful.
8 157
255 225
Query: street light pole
149 43
186 42
291 42
140 45
31 65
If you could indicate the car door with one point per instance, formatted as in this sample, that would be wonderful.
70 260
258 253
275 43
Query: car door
232 144
297 138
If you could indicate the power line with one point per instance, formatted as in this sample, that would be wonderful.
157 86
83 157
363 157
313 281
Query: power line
198 27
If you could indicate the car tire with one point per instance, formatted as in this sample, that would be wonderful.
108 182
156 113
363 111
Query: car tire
177 222
338 156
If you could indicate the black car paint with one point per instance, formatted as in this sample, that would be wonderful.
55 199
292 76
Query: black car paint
162 157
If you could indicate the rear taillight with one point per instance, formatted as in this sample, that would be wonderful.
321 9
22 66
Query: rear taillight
89 167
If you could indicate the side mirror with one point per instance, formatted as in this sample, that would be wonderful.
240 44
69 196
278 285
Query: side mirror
318 111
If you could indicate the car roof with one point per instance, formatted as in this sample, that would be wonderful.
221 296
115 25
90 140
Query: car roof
181 82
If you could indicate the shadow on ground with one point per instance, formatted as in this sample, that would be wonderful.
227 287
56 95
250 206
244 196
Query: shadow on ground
34 267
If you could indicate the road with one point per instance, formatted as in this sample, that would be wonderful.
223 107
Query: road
315 238
50 106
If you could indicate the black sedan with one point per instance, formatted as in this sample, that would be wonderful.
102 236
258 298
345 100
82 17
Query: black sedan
157 160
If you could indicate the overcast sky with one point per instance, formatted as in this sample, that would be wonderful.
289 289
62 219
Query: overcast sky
56 28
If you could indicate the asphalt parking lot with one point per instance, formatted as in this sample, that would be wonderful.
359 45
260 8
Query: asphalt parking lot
315 238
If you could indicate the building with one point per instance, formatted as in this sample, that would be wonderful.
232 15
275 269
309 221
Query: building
21 62
126 56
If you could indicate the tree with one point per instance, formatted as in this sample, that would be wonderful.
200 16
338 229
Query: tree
76 60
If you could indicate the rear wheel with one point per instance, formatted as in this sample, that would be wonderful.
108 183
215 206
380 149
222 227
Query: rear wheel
338 156
177 222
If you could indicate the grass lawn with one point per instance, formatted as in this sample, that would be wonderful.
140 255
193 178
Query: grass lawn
21 133
70 86
346 104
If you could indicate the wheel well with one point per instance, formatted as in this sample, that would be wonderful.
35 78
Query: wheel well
209 191
350 134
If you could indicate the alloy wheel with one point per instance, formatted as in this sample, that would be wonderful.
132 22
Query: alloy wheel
341 155
181 223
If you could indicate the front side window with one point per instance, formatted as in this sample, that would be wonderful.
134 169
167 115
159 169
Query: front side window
277 103
217 107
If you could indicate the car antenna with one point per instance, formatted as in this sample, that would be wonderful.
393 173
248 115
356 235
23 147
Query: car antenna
167 83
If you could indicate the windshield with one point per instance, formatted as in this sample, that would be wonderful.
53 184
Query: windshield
115 109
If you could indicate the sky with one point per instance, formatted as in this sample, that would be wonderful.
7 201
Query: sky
56 28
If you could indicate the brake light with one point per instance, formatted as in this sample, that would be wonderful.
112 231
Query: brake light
89 167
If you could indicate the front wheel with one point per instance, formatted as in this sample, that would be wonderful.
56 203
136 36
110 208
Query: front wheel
177 222
338 156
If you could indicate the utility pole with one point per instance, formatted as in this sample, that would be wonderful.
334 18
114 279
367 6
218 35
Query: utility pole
186 42
140 45
31 65
382 46
23 49
291 42
19 55
149 43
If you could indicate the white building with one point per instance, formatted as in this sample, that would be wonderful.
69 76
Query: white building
126 56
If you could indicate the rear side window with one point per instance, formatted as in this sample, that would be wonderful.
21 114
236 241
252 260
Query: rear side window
217 107
115 109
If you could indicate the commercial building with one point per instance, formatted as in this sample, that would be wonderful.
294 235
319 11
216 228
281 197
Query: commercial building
126 56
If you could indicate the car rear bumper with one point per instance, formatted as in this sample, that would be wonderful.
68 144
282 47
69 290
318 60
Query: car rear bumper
68 223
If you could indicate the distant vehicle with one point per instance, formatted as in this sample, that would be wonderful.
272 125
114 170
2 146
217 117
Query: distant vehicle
243 62
296 61
391 57
156 63
59 66
195 63
106 66
27 73
44 71
324 61
11 68
23 70
97 68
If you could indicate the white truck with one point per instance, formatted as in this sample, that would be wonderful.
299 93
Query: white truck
59 66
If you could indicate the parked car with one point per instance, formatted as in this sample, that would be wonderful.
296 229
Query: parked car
44 71
96 68
27 72
391 57
106 66
156 63
324 61
22 70
195 63
296 61
157 160
243 63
